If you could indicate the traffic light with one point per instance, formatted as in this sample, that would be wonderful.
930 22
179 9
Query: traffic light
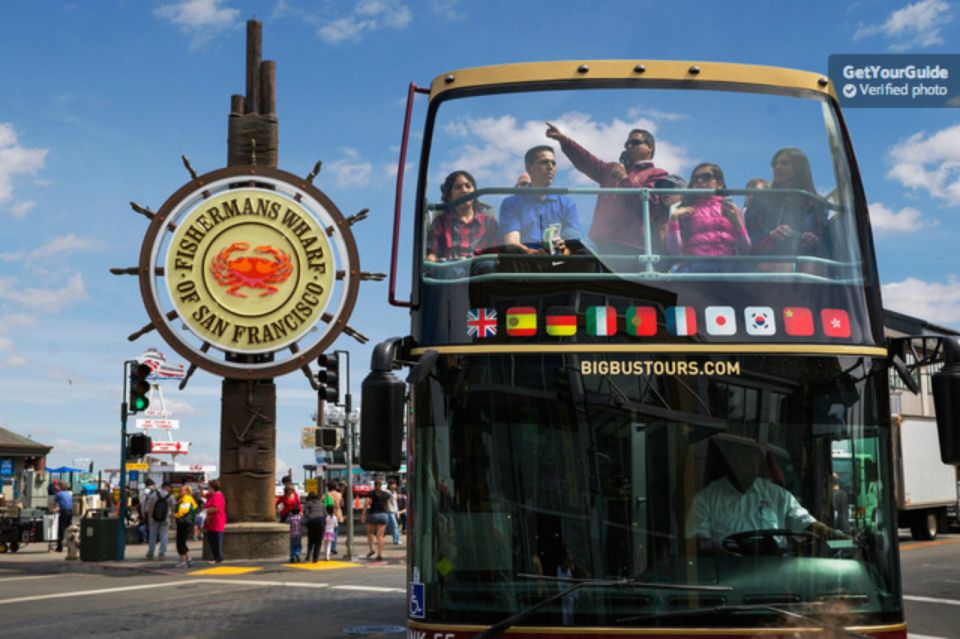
328 378
139 445
139 388
326 438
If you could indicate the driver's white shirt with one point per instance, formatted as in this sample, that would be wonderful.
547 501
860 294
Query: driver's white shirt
720 510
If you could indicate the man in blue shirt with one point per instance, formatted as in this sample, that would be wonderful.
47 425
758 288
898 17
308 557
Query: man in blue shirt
64 501
525 219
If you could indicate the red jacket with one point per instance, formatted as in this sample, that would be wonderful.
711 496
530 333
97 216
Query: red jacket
618 218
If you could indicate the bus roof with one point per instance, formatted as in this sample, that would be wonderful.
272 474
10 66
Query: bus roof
635 70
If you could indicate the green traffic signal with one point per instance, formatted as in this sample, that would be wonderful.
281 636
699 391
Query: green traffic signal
139 388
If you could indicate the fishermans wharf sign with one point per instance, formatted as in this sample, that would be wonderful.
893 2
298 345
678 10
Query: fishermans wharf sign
248 261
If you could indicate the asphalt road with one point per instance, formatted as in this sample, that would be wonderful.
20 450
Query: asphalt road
275 601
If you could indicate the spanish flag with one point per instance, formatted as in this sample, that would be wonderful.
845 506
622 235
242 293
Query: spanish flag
561 321
521 321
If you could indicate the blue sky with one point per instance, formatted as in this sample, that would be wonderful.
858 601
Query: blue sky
100 99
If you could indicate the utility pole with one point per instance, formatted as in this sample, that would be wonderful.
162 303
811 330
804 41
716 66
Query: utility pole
348 428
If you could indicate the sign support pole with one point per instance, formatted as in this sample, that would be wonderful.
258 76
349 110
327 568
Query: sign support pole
122 513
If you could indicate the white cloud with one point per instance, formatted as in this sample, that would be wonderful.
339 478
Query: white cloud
13 361
367 16
19 210
199 19
348 173
448 9
497 156
6 345
931 163
933 301
916 25
50 300
907 220
15 320
63 245
16 160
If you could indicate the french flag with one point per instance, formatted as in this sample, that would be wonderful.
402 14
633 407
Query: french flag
681 320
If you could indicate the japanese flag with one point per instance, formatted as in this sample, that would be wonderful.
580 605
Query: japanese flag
721 320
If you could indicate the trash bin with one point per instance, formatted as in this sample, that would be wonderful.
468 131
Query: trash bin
50 527
98 538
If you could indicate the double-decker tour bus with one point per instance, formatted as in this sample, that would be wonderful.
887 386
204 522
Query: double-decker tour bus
645 323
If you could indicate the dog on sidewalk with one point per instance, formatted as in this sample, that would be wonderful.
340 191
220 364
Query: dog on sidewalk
72 542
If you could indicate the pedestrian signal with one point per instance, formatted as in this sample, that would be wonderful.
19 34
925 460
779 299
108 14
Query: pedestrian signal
140 445
327 438
139 388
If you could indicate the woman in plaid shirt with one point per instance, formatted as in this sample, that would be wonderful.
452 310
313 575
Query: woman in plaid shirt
463 231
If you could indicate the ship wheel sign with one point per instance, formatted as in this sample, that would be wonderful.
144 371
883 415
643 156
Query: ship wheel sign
249 272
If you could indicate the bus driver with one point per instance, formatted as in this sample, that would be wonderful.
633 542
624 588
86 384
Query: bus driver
743 501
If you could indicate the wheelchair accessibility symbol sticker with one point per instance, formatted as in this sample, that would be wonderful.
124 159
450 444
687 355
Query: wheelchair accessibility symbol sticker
416 600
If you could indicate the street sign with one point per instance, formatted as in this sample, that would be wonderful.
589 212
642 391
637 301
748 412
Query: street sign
156 412
167 424
311 486
169 447
138 466
308 437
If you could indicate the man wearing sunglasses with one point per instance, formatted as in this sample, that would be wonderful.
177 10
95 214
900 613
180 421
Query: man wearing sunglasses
617 226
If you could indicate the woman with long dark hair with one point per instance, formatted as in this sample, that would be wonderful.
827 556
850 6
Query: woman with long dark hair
464 230
374 515
788 223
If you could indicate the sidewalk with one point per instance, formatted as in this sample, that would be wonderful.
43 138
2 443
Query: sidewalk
34 558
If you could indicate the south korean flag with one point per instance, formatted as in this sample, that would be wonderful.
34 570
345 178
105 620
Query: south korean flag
759 320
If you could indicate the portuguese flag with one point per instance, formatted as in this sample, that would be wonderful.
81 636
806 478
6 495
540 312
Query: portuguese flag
521 321
601 320
641 321
561 321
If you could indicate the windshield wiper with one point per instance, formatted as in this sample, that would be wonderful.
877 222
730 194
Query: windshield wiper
780 609
575 584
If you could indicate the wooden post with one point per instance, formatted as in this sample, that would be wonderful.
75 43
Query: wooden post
248 431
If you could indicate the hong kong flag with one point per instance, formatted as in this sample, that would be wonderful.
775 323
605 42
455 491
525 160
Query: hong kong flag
798 321
835 322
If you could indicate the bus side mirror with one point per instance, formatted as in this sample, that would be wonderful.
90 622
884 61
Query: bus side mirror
946 401
381 412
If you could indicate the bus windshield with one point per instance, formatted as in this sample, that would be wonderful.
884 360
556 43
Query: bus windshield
687 197
539 467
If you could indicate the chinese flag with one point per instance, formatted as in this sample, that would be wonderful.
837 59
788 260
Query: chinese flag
798 321
836 322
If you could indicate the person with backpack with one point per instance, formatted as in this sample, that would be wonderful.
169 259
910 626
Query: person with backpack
159 506
186 518
334 497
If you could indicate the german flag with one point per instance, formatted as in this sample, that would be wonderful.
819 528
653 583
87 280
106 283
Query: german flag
521 321
561 321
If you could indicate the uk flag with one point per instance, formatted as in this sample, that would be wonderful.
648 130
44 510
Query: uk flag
481 322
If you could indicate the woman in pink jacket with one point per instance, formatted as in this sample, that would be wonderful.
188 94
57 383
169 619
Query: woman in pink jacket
706 225
216 519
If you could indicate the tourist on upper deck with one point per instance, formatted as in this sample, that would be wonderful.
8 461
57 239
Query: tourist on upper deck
788 223
462 231
706 224
617 226
528 222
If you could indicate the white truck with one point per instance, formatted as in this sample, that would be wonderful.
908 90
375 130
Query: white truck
925 486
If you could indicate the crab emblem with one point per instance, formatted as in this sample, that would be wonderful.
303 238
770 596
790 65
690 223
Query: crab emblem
251 271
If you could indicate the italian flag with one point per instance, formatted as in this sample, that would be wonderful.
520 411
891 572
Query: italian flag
561 321
601 320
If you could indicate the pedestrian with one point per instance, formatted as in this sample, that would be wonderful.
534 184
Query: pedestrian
334 497
329 531
393 512
295 523
216 520
376 520
286 502
186 517
135 519
64 504
313 515
160 504
402 505
201 514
